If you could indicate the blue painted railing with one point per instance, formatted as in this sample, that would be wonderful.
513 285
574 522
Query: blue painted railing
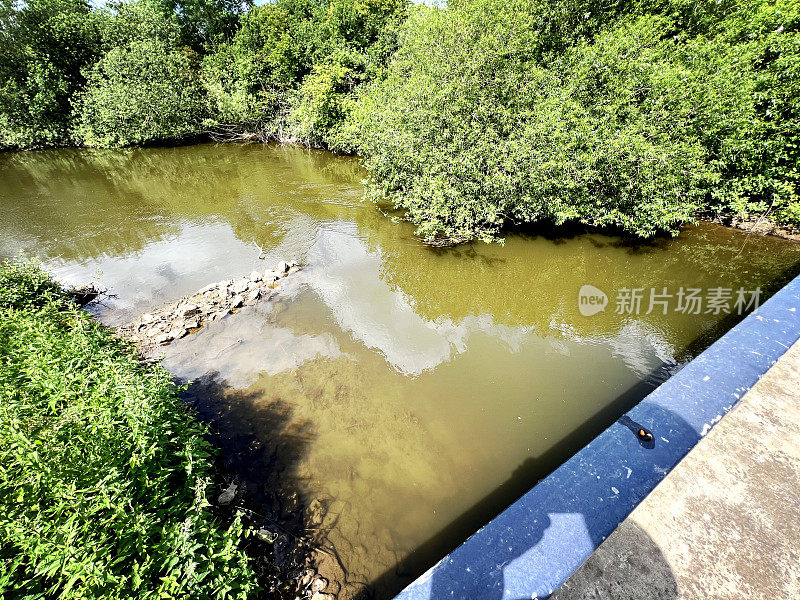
533 546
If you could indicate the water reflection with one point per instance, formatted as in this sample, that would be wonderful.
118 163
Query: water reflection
431 387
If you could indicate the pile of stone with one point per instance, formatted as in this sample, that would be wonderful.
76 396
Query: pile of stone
212 302
315 585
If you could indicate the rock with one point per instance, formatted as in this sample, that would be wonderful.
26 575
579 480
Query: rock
237 302
319 585
255 276
282 267
240 286
308 575
209 288
265 535
293 269
177 333
153 332
188 310
253 295
223 293
163 338
221 313
147 317
227 495
322 596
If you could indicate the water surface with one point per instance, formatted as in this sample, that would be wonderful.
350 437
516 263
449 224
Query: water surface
407 393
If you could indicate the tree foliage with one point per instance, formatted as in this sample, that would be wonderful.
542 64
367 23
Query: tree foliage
637 116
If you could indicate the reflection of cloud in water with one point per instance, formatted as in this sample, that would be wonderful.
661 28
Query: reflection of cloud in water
646 351
643 348
346 275
163 271
240 347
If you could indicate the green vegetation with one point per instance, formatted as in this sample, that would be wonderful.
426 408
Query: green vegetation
636 115
103 473
639 114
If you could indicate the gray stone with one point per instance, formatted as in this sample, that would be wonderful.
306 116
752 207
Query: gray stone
188 310
282 267
240 286
223 293
228 494
177 332
163 338
319 585
265 535
237 301
255 276
293 269
253 294
146 317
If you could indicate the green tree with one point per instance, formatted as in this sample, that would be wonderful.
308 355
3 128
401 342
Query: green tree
139 93
44 47
637 116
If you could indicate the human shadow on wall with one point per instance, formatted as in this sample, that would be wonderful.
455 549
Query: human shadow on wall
547 518
629 565
260 447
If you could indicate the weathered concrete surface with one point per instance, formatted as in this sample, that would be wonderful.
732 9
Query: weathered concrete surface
725 523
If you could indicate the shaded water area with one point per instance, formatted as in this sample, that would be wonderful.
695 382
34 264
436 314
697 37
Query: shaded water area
406 394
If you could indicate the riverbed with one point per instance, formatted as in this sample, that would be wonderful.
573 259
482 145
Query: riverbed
406 393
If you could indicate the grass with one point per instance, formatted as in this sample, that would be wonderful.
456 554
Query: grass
103 471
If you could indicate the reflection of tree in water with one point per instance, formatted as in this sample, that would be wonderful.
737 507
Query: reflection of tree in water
533 280
72 208
81 204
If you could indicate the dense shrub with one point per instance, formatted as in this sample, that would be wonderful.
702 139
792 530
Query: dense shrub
140 93
293 64
634 116
43 49
102 471
638 114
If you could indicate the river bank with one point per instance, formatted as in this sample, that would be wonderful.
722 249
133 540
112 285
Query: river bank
286 558
102 461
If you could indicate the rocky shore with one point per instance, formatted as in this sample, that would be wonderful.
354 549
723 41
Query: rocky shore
213 302
288 565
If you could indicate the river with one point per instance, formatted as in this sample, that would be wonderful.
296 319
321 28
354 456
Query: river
406 393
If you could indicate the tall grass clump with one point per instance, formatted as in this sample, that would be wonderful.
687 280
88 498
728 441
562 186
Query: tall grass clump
103 472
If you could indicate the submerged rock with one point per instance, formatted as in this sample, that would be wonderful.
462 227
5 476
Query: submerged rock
319 585
265 535
228 494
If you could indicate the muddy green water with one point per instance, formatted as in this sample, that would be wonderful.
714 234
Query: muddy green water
407 394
